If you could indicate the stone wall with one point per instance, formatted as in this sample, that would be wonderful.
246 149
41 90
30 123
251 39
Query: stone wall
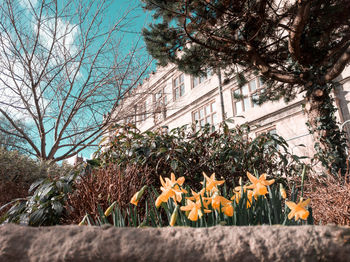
261 243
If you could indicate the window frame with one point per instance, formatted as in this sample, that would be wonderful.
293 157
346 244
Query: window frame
142 108
160 103
179 77
259 86
213 111
201 79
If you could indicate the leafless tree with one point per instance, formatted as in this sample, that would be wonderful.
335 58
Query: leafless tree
62 67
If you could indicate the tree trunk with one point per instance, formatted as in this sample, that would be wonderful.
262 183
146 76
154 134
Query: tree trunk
330 143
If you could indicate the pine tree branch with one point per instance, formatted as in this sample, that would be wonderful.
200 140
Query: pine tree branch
297 29
338 66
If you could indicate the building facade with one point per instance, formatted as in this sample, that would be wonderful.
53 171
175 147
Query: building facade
171 98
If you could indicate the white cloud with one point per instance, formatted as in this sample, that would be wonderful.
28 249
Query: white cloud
66 34
28 3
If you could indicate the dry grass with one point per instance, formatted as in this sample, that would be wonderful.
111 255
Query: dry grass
330 198
103 187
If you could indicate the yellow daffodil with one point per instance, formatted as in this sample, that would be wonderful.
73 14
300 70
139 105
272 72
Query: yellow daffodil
238 195
198 197
137 196
171 188
174 216
298 210
176 183
225 204
134 200
109 209
211 183
283 192
259 184
195 210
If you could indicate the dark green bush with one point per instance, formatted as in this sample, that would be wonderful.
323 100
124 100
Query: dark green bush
230 153
46 206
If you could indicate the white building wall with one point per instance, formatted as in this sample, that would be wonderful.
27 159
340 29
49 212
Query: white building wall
287 119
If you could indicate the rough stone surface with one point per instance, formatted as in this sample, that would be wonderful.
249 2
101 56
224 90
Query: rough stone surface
261 243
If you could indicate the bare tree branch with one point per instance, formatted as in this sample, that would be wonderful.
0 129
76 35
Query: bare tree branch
62 68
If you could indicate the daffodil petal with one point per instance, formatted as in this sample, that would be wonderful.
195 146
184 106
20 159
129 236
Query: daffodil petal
291 204
262 177
180 180
172 176
268 182
305 203
252 178
162 181
291 214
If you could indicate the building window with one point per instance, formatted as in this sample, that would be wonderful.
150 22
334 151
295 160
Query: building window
178 86
160 99
142 107
160 102
245 97
205 115
196 80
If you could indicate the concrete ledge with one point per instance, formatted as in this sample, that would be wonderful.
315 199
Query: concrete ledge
261 243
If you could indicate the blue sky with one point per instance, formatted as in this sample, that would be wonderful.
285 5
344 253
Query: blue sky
137 19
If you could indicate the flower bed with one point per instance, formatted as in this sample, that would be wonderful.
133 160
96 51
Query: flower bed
261 202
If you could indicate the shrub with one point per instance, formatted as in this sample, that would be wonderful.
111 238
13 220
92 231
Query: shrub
134 159
229 153
17 167
46 206
18 171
